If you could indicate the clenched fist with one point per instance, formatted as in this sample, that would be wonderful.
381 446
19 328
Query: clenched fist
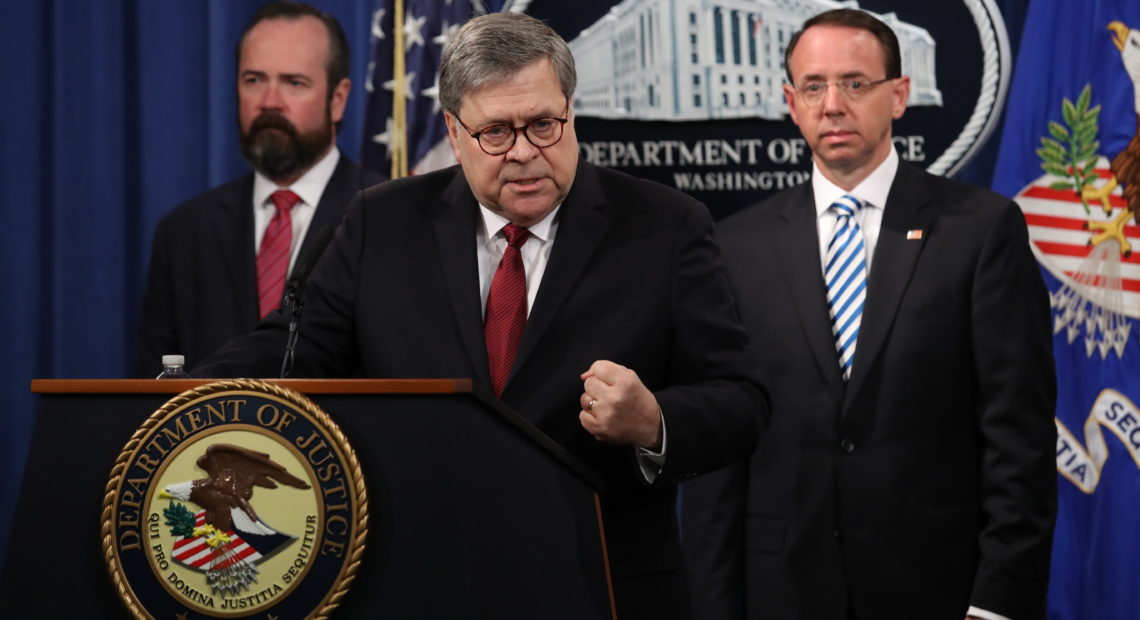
618 408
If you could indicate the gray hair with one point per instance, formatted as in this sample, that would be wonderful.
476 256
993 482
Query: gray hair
490 48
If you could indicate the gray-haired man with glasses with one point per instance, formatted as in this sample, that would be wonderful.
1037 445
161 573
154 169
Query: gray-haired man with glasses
904 332
593 303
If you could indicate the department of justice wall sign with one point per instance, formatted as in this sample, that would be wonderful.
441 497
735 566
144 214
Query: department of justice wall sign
689 93
235 499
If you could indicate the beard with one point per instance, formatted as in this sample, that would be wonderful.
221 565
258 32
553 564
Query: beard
275 148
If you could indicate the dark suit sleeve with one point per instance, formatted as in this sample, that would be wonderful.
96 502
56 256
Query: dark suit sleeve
1016 396
715 401
712 529
158 333
326 344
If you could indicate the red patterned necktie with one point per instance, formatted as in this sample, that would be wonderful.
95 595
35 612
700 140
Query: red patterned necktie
273 256
505 318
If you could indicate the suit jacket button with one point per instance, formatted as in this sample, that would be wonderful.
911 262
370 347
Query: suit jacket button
847 446
838 532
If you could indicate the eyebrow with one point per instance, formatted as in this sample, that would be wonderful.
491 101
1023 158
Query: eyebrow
528 121
815 77
531 119
285 76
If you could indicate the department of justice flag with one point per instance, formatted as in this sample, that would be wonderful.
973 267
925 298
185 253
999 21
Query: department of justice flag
1071 157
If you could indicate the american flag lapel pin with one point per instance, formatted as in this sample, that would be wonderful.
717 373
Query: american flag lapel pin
914 234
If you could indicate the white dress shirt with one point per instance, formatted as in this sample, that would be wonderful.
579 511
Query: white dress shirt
490 243
872 191
309 188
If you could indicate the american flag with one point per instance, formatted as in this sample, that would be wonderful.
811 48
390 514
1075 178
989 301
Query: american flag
404 130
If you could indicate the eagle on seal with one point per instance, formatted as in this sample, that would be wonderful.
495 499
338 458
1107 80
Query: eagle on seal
224 495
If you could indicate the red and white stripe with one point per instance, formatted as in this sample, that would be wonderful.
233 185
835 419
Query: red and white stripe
196 553
1057 228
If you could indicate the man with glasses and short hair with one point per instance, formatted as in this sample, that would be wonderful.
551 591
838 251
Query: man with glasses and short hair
903 329
591 302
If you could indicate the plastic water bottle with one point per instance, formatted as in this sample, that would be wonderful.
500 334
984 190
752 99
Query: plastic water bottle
172 368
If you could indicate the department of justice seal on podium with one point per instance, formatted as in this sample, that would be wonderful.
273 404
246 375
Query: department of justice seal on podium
235 499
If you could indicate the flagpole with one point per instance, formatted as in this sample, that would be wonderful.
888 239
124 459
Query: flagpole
398 144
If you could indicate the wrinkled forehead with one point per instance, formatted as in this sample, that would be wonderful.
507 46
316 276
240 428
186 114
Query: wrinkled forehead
530 93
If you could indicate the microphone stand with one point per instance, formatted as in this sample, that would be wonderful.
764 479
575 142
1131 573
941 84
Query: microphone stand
295 294
296 301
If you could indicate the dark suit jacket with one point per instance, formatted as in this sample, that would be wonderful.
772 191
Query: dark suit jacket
201 286
925 485
634 277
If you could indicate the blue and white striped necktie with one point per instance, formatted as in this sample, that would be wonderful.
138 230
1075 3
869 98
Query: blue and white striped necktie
846 278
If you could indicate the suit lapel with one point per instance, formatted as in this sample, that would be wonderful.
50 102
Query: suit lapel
233 226
580 229
342 185
455 242
797 250
891 269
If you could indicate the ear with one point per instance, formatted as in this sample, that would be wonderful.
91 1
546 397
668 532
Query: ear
339 99
790 98
899 97
453 135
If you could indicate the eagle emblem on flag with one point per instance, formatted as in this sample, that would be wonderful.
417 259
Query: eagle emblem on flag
1091 250
1070 156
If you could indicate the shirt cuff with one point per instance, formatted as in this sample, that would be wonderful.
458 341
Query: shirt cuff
983 614
652 462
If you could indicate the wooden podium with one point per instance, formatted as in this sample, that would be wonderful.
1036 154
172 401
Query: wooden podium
473 512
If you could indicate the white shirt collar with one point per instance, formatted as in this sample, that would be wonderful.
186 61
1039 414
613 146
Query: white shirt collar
493 223
872 190
309 187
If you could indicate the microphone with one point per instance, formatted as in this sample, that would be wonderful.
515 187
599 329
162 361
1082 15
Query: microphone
294 292
305 263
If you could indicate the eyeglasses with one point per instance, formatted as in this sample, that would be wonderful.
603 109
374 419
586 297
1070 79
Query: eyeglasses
853 88
499 138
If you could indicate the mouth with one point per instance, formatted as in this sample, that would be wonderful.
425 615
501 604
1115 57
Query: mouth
525 185
256 131
267 121
836 136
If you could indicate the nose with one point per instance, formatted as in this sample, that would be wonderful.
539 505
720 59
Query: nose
271 97
522 150
833 100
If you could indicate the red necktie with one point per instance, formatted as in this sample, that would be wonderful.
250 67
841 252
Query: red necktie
505 318
273 256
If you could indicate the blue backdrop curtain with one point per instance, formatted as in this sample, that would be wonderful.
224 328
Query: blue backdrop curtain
115 112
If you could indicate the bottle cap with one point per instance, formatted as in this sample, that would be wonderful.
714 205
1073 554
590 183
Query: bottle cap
173 360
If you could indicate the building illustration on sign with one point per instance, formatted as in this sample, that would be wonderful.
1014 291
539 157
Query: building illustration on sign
688 60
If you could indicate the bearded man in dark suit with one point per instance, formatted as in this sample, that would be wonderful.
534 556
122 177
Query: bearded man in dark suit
219 261
904 332
592 303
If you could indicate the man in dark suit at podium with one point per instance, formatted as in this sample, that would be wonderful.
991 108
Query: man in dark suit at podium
219 262
904 330
591 302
